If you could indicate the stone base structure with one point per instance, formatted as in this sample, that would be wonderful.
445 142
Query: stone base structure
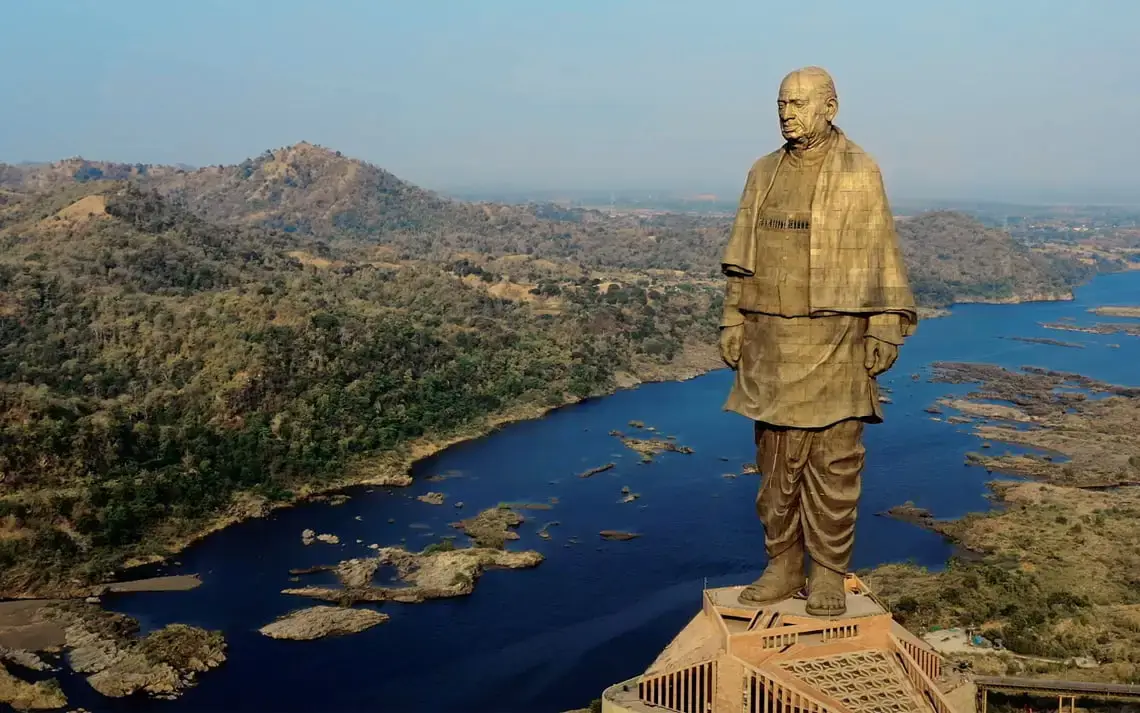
734 658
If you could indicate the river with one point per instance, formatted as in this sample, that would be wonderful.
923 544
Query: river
595 612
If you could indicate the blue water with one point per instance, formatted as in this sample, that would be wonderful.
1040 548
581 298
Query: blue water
594 612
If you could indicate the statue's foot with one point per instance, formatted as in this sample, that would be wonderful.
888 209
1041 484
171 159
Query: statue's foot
783 577
826 593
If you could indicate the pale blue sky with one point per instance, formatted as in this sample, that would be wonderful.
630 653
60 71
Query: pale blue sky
1005 99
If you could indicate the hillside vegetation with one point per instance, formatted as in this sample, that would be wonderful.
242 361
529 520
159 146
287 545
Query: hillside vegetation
153 365
954 258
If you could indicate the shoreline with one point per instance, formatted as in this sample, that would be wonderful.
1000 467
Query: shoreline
1066 296
393 469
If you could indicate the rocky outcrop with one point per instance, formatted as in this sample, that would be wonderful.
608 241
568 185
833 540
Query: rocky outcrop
932 312
334 499
492 527
309 536
618 535
921 517
649 447
909 512
27 659
320 621
105 646
24 696
392 480
425 575
595 471
431 498
246 506
987 410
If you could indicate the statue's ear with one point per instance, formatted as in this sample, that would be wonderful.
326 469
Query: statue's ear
832 109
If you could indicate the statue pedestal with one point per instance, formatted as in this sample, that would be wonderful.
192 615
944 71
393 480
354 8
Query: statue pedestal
738 658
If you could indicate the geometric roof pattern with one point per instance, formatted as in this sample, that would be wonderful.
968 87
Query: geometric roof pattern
863 681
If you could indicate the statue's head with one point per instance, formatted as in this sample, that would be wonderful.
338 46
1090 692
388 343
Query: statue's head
807 105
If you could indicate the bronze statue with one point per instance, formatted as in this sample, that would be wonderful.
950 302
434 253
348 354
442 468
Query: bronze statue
816 306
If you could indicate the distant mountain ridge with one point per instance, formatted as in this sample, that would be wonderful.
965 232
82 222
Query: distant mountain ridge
317 192
48 176
293 186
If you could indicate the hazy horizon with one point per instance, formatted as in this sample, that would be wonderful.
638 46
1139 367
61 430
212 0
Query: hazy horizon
974 101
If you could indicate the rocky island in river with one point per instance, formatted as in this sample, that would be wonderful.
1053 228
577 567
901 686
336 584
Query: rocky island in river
441 570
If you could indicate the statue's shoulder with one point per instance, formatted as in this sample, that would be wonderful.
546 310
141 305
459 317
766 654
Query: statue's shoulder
854 158
767 163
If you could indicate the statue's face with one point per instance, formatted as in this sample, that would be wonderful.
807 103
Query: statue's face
805 112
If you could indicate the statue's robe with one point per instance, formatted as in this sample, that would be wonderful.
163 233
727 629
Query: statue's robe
814 268
855 265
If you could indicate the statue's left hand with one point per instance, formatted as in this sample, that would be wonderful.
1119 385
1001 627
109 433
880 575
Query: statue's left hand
879 355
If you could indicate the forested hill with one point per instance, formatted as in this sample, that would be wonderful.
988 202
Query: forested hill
953 257
153 364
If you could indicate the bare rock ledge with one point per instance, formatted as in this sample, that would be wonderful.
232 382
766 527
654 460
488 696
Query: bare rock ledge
320 621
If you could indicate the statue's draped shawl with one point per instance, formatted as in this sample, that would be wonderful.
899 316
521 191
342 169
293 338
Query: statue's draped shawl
856 266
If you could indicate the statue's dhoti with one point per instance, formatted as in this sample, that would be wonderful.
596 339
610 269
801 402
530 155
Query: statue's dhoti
811 483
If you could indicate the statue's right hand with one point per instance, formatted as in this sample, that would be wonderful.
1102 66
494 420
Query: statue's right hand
731 342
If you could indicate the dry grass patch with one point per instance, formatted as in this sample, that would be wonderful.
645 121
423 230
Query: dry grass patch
313 261
86 207
1059 578
516 292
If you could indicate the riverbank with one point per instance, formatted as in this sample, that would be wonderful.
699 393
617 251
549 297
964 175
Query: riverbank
393 469
390 469
1056 571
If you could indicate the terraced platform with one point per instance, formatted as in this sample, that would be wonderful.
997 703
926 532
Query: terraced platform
736 658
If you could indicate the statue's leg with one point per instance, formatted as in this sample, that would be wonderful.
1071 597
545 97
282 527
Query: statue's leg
828 499
781 455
